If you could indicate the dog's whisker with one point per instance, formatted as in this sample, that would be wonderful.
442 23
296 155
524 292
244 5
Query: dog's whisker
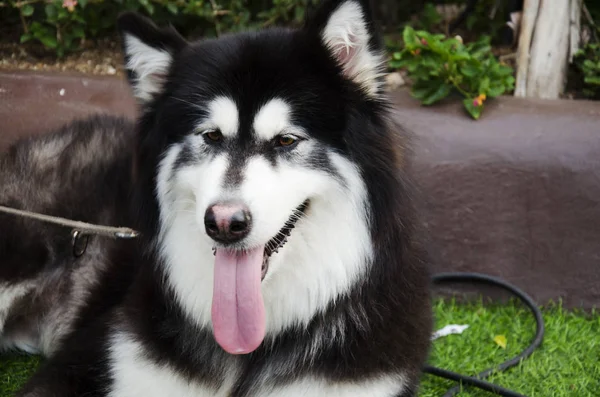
193 105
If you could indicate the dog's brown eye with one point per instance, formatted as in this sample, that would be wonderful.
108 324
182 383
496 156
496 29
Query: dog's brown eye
214 136
286 140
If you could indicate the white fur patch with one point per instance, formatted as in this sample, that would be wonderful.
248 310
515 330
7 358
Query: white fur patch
272 119
184 243
347 36
150 66
328 251
223 115
134 375
8 295
384 386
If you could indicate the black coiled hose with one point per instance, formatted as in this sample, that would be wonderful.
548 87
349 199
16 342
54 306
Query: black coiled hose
477 381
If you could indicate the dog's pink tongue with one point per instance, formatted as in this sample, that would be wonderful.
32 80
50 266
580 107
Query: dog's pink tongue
238 311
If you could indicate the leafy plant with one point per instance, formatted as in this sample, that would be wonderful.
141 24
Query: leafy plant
587 60
63 25
439 66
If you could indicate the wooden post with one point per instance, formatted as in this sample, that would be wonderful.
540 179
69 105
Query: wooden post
549 35
575 27
530 14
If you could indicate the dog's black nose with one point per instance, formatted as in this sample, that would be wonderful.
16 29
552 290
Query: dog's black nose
227 223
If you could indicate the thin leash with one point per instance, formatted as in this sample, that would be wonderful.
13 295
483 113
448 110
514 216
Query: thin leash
80 230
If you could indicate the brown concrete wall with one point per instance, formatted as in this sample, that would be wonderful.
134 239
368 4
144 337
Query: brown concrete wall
31 103
515 194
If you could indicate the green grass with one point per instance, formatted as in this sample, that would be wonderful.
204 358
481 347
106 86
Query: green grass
567 363
15 369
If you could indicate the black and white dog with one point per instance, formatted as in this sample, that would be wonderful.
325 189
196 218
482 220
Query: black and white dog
279 252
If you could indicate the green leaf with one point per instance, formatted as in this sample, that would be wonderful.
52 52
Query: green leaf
80 19
405 61
510 82
27 10
299 14
48 41
410 37
474 111
82 3
470 69
38 30
395 64
431 62
505 70
481 47
26 37
436 46
78 32
442 92
412 66
35 26
50 11
595 80
459 55
496 90
150 8
172 8
480 53
484 85
63 14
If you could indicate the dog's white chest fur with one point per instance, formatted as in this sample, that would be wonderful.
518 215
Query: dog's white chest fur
134 375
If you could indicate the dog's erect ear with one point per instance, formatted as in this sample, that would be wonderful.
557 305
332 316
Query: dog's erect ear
149 53
347 29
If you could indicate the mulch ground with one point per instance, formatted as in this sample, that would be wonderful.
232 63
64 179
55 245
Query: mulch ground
97 58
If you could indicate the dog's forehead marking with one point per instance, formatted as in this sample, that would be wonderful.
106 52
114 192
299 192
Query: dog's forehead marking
272 119
224 115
